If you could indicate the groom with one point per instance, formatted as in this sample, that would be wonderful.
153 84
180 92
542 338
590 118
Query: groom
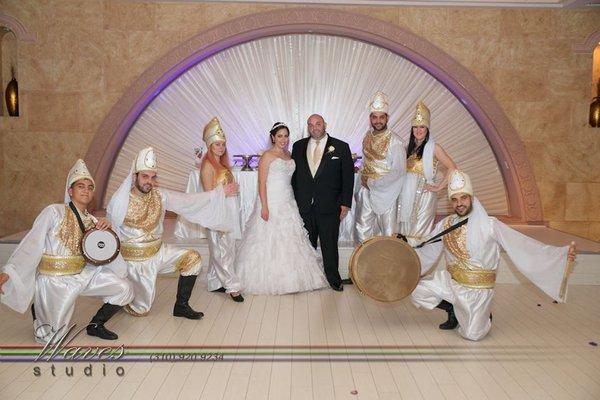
323 186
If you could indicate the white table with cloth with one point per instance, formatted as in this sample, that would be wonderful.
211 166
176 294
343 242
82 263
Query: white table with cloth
248 181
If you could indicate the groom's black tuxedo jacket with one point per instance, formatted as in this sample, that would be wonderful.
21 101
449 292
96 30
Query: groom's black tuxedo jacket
333 183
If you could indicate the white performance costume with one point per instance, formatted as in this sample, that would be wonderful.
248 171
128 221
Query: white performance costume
384 158
472 255
417 206
48 266
275 256
222 245
184 229
138 220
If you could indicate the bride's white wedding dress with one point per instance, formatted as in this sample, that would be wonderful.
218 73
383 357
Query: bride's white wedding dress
275 256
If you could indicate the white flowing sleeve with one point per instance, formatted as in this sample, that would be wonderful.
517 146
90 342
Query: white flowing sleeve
210 209
430 253
22 264
185 229
385 190
544 265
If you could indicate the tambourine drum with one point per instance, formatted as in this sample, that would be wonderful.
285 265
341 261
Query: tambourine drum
385 268
100 247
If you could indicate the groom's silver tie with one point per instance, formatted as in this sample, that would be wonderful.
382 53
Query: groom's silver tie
315 158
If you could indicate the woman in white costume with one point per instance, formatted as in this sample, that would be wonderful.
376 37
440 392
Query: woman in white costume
418 199
215 170
275 255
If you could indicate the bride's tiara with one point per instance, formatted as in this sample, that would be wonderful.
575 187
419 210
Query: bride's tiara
279 125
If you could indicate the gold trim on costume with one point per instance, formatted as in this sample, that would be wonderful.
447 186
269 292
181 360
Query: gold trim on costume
472 278
456 241
188 260
224 177
130 311
140 251
61 265
375 148
564 284
69 233
144 211
462 271
414 165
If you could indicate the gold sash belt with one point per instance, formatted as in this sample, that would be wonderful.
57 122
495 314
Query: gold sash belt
476 279
61 265
140 251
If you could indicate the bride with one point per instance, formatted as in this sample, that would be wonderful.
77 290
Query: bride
275 255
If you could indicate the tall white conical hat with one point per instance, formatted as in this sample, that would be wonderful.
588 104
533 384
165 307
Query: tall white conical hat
78 171
146 160
459 182
379 103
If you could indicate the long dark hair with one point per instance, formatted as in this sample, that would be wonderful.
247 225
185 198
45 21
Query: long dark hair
277 126
412 145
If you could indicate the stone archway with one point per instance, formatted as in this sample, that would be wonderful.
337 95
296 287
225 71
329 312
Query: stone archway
523 197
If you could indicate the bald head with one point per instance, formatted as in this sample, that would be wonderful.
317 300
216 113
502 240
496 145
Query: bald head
316 126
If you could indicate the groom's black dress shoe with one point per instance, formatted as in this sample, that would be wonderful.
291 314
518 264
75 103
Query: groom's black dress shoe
219 290
347 281
337 288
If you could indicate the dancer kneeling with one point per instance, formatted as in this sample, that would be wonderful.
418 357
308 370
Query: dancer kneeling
137 211
466 287
48 266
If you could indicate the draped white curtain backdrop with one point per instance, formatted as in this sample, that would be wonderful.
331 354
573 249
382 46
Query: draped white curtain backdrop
287 78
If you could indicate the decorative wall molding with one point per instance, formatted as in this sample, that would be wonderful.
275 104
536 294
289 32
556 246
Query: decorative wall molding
427 3
523 196
17 27
588 45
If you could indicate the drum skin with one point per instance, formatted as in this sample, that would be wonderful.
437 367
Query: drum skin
385 268
100 247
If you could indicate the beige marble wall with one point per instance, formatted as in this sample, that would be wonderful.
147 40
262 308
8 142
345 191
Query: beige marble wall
89 52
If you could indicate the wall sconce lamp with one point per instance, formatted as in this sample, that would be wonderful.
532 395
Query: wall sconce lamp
12 95
595 109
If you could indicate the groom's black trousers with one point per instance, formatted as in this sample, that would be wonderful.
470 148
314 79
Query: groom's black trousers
325 227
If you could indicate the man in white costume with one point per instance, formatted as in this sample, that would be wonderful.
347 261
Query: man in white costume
49 268
384 166
137 211
465 288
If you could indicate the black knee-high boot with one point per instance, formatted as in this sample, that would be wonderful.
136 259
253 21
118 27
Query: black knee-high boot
184 292
96 325
452 322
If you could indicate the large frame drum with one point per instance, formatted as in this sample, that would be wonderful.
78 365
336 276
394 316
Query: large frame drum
385 268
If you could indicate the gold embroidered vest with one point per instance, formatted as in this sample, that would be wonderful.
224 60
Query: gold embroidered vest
462 271
375 149
144 211
70 235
